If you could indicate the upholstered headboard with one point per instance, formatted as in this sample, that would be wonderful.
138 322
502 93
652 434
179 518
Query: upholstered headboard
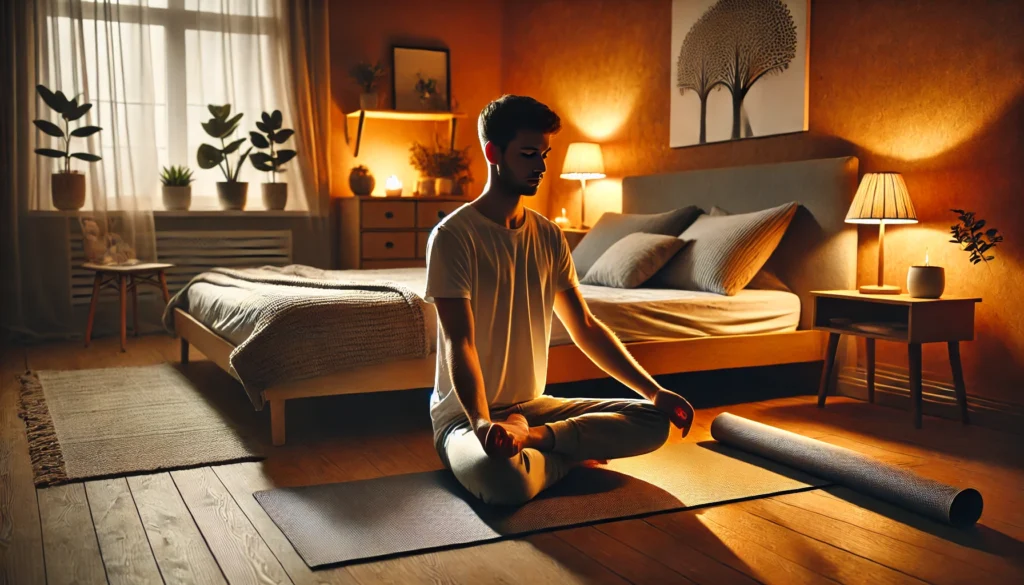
819 251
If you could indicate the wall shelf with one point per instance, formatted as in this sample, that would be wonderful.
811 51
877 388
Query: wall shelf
363 115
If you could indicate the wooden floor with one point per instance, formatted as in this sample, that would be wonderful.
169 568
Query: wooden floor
204 526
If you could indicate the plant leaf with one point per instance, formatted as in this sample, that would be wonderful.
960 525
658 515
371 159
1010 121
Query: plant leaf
232 123
240 162
85 131
276 119
216 128
86 156
264 128
49 128
258 140
78 112
51 152
265 118
220 112
61 100
284 156
49 98
69 109
282 136
208 156
232 147
260 158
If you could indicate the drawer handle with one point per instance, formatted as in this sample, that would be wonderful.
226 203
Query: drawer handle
389 245
440 214
388 214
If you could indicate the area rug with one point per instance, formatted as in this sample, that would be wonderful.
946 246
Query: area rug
90 424
376 518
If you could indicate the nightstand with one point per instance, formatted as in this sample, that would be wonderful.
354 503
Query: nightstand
898 318
574 235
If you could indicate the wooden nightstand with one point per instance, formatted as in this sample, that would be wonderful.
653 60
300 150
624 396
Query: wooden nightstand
899 318
574 235
390 232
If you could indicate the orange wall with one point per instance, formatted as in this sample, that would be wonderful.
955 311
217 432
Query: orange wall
361 31
931 89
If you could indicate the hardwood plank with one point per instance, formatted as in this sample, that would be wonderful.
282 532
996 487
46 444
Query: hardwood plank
178 547
824 559
123 543
21 537
238 548
241 480
623 560
674 553
69 539
573 560
884 550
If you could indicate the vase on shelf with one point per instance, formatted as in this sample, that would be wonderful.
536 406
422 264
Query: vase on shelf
368 101
425 186
443 186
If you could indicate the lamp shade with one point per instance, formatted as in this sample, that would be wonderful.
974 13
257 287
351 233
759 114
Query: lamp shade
583 160
882 197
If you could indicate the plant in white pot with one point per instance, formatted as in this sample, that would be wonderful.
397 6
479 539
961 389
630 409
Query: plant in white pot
231 192
452 167
367 75
177 189
424 160
275 195
67 187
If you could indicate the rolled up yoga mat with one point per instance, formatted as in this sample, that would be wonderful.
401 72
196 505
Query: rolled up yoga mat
945 503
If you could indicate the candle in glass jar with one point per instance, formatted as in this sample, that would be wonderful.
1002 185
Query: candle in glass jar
562 220
393 187
927 281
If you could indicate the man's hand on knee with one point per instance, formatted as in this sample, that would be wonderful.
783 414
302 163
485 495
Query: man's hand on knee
678 410
504 439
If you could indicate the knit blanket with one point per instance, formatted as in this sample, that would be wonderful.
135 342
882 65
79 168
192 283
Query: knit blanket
299 336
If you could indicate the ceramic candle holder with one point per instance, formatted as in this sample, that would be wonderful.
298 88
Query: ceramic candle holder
926 282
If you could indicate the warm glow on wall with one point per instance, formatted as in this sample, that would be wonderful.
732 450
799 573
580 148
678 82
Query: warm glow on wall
598 110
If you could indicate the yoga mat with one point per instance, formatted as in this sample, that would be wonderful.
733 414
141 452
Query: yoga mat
369 519
939 501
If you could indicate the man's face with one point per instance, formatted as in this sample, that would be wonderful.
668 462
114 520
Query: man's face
522 165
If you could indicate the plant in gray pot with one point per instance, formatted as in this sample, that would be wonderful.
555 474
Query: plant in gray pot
231 192
177 189
275 195
67 187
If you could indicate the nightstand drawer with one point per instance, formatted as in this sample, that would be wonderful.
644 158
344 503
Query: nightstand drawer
388 245
388 214
429 212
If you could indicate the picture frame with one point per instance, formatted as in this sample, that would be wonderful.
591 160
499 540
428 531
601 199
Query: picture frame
420 79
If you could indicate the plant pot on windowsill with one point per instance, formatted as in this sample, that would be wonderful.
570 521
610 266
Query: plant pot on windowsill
177 198
67 190
232 195
275 196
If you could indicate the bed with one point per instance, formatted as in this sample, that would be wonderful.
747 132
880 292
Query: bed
667 331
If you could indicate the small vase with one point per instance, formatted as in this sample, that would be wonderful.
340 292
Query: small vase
232 195
361 181
926 282
443 186
275 196
368 101
177 197
425 186
67 191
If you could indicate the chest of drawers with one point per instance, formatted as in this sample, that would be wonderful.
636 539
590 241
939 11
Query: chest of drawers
389 232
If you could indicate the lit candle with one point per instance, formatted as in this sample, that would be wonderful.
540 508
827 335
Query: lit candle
562 220
393 187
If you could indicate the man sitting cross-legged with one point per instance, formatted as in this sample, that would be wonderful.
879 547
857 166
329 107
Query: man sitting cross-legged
495 272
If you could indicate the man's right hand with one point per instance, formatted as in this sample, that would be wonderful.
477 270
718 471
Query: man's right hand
503 439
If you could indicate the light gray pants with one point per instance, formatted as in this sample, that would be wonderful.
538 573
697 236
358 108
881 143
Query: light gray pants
583 429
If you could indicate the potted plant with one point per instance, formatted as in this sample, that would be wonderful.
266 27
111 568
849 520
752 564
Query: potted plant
367 75
177 189
67 187
231 193
427 91
423 160
361 181
452 165
968 233
275 195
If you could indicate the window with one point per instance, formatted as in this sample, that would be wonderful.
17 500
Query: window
170 59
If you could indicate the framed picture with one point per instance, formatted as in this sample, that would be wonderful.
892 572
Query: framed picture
739 69
420 79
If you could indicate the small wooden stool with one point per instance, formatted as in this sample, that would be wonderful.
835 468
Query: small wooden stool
125 278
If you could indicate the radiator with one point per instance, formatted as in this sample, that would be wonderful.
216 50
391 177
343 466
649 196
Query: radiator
191 252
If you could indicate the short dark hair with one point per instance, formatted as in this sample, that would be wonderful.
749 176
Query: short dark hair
501 119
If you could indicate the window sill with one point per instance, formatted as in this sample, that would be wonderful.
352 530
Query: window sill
260 213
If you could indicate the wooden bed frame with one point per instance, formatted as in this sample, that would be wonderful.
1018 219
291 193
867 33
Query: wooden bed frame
818 236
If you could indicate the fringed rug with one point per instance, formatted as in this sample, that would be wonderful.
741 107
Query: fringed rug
90 424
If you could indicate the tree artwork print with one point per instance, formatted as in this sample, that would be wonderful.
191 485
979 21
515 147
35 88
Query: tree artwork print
739 69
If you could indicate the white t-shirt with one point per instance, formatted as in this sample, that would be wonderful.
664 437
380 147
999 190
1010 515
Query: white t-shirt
511 277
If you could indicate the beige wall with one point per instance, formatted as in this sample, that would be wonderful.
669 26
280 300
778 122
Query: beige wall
930 89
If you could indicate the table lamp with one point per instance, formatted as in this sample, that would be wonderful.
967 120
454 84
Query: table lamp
881 198
583 161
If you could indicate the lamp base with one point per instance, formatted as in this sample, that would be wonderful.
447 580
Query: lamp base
882 289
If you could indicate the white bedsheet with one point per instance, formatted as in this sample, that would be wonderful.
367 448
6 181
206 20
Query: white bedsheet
642 314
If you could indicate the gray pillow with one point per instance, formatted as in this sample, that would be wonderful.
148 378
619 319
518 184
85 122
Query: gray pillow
612 227
632 260
725 252
764 279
